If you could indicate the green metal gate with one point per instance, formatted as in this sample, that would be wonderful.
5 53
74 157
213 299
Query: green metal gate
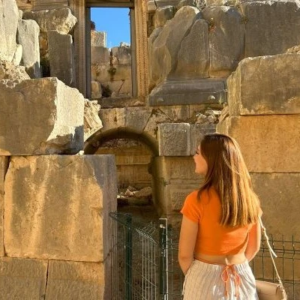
145 265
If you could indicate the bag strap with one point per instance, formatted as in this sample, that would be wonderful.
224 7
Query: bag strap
272 253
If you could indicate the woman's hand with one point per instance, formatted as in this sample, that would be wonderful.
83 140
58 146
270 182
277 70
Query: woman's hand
187 241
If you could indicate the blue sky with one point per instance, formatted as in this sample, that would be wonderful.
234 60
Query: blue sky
115 21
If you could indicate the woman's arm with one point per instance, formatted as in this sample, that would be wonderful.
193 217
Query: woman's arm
253 242
187 241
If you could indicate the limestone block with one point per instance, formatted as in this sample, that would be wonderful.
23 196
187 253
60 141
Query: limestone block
193 55
96 90
221 2
122 54
99 55
268 143
119 87
226 39
75 280
61 62
197 133
92 122
164 50
266 34
265 85
60 219
22 278
279 194
12 72
162 15
3 169
100 73
123 72
174 139
24 4
135 118
98 38
41 116
197 3
9 15
62 20
18 55
28 37
183 92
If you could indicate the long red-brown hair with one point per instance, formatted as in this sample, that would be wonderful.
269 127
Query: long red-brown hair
228 175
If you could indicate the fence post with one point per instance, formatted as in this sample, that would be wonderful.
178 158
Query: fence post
163 265
128 257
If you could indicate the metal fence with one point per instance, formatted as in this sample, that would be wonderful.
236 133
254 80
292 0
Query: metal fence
145 266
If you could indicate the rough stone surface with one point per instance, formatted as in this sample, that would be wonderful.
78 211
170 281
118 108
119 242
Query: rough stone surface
279 196
268 143
98 38
183 92
99 55
60 20
122 55
61 62
266 34
18 55
197 3
22 278
75 280
15 74
92 122
164 50
9 15
174 139
28 37
3 169
60 220
42 116
162 15
226 39
265 85
193 56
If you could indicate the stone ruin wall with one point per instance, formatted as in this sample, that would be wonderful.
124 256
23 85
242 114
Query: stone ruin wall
189 86
47 215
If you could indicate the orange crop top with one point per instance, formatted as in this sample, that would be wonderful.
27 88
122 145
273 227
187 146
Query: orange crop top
213 238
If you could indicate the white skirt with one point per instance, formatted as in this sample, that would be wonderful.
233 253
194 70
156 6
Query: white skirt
205 281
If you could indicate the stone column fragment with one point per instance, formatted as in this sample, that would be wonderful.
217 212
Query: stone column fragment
56 207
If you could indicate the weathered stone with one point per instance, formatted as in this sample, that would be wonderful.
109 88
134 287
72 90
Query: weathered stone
3 169
60 219
265 85
279 196
122 54
42 116
174 139
96 90
100 73
24 4
61 62
9 15
22 278
76 280
162 15
226 39
266 34
100 55
200 4
119 87
11 72
123 72
222 2
62 20
268 143
208 91
193 55
18 55
164 50
176 179
92 122
98 38
28 37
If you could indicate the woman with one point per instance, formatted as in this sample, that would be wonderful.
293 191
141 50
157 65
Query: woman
220 232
